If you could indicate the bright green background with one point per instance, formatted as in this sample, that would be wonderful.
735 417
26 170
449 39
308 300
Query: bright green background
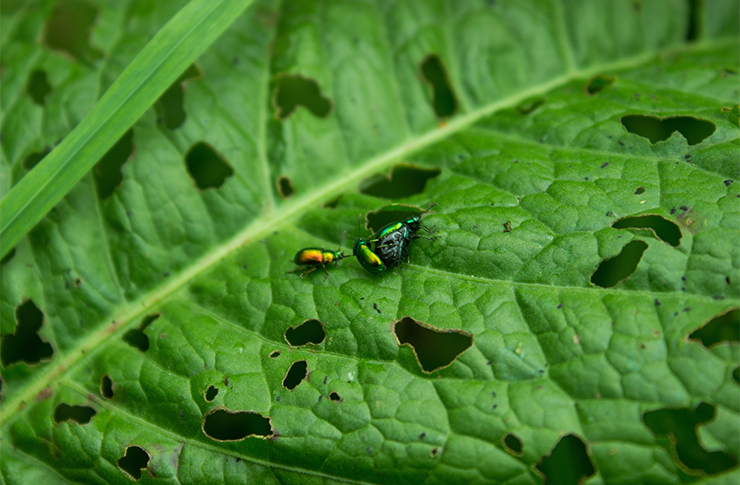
554 354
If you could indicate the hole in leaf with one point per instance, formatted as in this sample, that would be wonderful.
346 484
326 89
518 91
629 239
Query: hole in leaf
135 460
724 328
390 214
656 129
34 158
529 106
224 425
434 452
68 29
567 463
292 91
434 348
639 190
404 181
38 87
599 82
108 175
211 393
679 428
332 204
274 354
308 332
285 187
78 414
334 396
170 105
620 267
25 344
443 98
8 256
206 167
664 229
136 337
513 445
106 387
295 374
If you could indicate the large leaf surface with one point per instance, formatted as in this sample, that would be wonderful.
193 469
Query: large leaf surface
162 301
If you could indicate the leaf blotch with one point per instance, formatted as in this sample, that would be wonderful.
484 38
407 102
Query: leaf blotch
292 91
68 30
285 187
297 372
169 106
723 328
620 267
599 83
656 129
568 462
512 444
38 87
434 348
435 76
108 175
403 181
25 344
135 460
206 167
136 337
225 425
106 387
663 229
677 429
308 332
211 393
78 414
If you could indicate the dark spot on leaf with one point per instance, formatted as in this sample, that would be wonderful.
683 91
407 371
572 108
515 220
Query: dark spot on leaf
135 460
78 414
507 226
434 348
560 305
403 181
38 87
443 97
207 168
292 91
274 354
684 208
334 396
169 106
422 436
285 187
529 106
673 210
677 430
728 183
639 190
225 425
332 204
106 387
8 256
68 29
664 229
656 129
136 337
604 165
434 452
568 462
512 444
598 83
25 344
375 306
657 302
612 271
211 393
723 328
308 332
107 172
296 373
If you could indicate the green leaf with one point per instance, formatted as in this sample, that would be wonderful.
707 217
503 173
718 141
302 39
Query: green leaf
583 294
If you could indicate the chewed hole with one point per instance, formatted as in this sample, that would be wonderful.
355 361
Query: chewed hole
38 87
443 98
206 167
135 460
136 337
32 159
211 393
724 328
334 396
664 229
390 214
296 373
639 190
513 445
404 180
108 175
68 29
308 332
106 387
680 426
78 414
529 106
25 344
285 187
292 91
620 267
434 348
169 106
599 83
225 425
656 129
274 354
568 462
332 204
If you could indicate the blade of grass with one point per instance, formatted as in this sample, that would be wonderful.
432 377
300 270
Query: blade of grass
175 47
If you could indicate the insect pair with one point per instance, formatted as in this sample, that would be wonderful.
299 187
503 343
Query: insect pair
390 250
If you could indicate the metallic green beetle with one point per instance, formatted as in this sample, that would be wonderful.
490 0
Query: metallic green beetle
315 257
367 258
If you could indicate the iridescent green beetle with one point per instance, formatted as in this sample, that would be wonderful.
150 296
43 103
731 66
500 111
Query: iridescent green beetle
315 257
367 258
